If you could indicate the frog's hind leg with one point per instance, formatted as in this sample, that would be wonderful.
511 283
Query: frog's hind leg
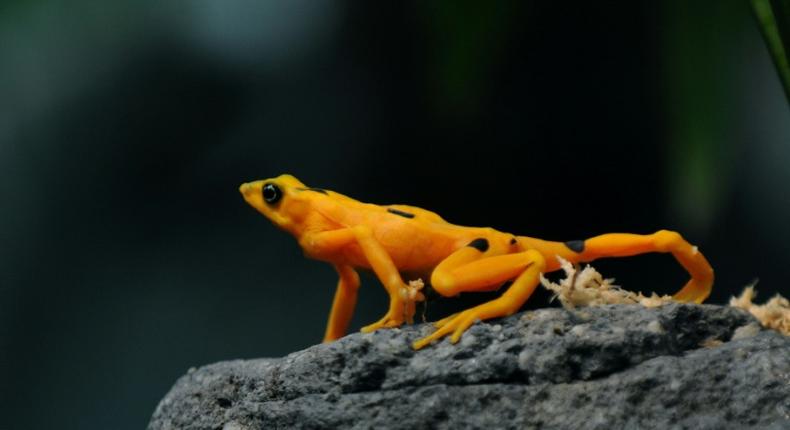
696 289
475 268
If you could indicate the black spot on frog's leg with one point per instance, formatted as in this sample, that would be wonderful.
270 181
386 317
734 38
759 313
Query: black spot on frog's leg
317 190
513 241
400 213
575 245
479 244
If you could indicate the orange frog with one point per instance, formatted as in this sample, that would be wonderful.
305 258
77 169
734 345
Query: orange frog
395 239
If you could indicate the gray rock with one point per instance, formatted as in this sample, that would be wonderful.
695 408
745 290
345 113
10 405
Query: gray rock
617 366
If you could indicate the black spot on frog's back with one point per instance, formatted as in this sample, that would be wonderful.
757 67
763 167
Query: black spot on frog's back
400 213
480 244
575 245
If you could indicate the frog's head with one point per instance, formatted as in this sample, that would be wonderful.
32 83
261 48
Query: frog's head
278 199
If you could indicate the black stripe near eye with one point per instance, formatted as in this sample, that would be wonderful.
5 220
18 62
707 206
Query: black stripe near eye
317 190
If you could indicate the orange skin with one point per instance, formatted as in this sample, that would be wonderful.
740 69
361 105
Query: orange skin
395 239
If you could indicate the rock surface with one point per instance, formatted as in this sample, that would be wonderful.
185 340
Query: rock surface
615 366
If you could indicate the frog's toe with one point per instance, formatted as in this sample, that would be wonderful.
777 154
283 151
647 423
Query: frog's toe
456 324
387 322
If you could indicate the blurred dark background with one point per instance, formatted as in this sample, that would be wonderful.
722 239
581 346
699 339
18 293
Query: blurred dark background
127 255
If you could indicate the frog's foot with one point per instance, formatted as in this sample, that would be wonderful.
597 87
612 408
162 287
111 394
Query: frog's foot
390 319
402 307
458 323
395 316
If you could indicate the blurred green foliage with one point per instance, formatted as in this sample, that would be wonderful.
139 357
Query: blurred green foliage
773 17
465 42
699 76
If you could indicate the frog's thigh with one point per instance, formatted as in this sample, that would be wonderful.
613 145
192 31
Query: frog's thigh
505 305
474 268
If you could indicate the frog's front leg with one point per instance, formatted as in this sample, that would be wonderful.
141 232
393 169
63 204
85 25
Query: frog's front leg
388 274
379 261
343 304
328 243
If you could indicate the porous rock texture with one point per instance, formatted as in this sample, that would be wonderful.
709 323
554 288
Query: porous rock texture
613 366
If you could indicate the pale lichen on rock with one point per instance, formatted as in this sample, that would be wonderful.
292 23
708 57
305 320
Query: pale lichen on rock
587 287
774 314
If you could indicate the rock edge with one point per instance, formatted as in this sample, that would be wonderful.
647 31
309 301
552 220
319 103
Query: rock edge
613 366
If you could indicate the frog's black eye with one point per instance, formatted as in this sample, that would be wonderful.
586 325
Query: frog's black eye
271 193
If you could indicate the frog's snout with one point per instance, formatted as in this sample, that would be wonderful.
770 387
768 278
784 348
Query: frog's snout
245 189
250 192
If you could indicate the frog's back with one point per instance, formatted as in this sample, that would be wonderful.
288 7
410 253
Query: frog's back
414 211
